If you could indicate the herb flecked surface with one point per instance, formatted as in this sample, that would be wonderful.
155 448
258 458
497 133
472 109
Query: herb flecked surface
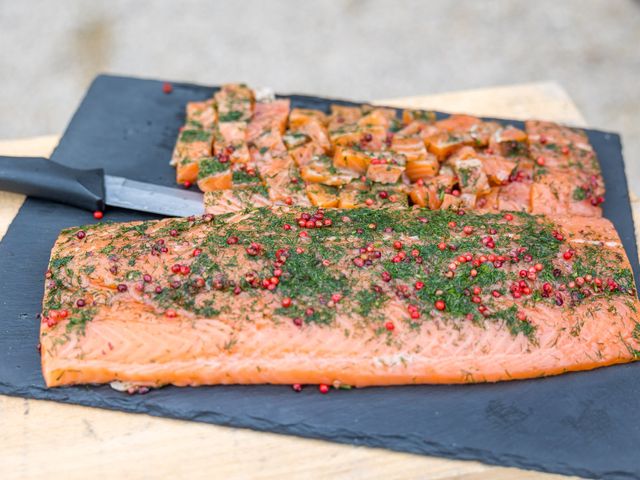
430 264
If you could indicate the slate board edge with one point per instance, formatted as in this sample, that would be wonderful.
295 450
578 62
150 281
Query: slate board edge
411 444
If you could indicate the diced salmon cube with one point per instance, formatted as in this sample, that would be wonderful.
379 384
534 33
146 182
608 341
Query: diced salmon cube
458 123
201 115
509 134
322 195
322 170
304 154
343 115
192 145
425 116
295 139
317 133
464 153
384 172
443 144
234 103
268 116
509 142
385 168
498 169
271 167
230 140
214 175
302 116
467 129
351 159
187 171
346 135
471 176
450 202
426 196
379 117
219 181
422 169
481 134
411 146
269 144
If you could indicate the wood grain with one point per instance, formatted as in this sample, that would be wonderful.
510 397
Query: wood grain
41 439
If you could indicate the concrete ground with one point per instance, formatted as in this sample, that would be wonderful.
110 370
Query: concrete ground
356 49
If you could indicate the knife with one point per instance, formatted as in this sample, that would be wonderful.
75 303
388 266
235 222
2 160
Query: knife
92 189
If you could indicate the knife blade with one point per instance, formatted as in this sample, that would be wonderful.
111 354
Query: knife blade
147 197
92 189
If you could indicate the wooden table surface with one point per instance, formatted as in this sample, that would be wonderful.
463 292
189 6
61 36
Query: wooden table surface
41 439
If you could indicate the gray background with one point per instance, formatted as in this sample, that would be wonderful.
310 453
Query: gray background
356 49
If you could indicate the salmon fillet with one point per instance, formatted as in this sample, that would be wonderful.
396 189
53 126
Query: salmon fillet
343 297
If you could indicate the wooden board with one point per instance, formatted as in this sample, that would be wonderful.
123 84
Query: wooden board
46 439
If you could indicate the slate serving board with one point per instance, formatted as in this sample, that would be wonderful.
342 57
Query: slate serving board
585 423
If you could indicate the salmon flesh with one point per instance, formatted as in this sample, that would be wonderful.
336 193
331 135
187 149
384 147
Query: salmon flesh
341 297
370 157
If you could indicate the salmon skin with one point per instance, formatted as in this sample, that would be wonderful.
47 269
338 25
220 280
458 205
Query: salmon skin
341 297
305 156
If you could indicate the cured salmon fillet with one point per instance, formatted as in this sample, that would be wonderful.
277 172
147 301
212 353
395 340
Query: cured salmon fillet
343 297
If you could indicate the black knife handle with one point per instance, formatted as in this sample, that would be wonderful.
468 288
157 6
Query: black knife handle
42 178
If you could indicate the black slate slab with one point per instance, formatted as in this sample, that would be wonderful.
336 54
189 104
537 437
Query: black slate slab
585 423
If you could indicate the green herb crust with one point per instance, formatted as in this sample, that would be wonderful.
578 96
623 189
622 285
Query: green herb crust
189 136
211 166
430 264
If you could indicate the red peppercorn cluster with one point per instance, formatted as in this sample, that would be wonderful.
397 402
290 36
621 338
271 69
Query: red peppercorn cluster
414 311
315 220
488 241
367 255
518 289
590 190
54 316
254 249
181 269
269 283
159 247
